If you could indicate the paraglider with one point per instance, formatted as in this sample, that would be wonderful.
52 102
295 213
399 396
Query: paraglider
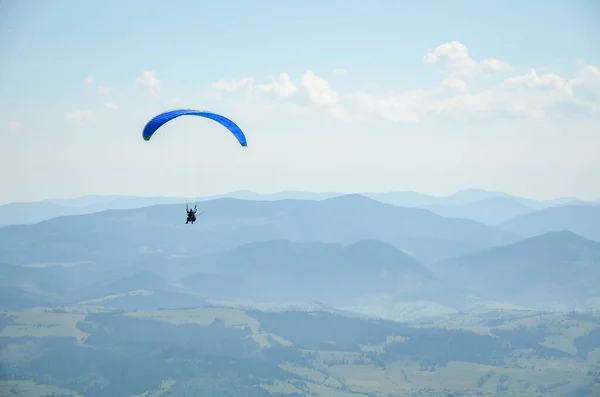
191 214
163 118
159 120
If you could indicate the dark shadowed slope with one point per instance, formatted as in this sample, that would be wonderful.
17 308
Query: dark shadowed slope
143 280
327 272
559 268
142 290
22 287
580 219
490 211
121 237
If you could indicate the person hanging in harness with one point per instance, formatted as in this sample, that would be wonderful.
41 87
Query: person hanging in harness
191 215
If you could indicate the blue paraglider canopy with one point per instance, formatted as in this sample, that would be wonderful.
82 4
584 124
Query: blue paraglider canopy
163 118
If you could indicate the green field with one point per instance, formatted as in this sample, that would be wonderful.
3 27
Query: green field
205 316
40 323
26 388
365 368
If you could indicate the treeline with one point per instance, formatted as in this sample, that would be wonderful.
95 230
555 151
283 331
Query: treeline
587 343
327 331
5 320
126 356
430 346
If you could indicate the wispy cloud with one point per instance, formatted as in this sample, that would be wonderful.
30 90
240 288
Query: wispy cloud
88 80
80 116
232 85
148 81
103 90
111 106
13 126
280 86
527 94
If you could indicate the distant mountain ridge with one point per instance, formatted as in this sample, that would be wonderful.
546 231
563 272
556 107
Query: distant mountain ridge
556 268
489 211
227 223
581 219
331 273
270 271
33 212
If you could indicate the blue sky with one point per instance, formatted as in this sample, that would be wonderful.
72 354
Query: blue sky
433 96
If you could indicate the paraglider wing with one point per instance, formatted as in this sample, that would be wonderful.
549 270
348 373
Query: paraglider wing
161 119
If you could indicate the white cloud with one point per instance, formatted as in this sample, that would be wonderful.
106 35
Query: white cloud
102 90
280 86
455 83
406 107
232 85
530 94
88 80
495 65
318 90
589 76
586 86
111 106
149 81
80 116
13 125
339 71
534 81
464 106
453 57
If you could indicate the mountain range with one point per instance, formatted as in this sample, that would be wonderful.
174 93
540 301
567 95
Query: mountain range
343 252
475 204
227 223
552 270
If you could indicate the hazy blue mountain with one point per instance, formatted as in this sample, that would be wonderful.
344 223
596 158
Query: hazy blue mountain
120 237
24 213
143 280
143 290
555 269
580 219
269 271
415 199
49 281
330 273
33 212
282 195
490 211
24 287
403 198
561 201
467 196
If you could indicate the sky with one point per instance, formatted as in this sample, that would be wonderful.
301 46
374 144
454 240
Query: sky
428 96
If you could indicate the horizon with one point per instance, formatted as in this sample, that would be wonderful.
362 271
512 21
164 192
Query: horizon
277 192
